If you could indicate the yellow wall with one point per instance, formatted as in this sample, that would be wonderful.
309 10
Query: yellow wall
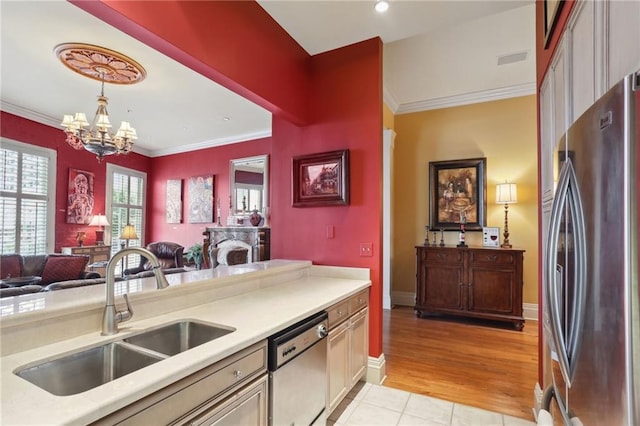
387 117
502 131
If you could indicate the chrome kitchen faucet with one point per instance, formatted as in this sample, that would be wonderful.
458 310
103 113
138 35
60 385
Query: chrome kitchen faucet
111 316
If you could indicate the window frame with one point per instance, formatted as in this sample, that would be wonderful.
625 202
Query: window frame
111 170
52 156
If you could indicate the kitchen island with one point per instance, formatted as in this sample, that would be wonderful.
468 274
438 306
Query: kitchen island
256 299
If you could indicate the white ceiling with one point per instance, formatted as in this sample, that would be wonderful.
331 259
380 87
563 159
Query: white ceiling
436 53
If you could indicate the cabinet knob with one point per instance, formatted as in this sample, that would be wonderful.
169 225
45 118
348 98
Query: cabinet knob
339 313
237 374
492 257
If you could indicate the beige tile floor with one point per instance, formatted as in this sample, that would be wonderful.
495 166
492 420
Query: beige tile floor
369 404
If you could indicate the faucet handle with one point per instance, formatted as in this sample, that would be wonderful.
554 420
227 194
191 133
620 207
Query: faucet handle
125 315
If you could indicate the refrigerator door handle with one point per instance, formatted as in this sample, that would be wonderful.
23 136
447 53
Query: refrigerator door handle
566 340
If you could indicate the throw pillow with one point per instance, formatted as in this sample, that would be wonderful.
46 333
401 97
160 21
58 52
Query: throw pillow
63 267
10 265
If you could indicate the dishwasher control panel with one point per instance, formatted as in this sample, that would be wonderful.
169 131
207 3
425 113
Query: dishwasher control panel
294 340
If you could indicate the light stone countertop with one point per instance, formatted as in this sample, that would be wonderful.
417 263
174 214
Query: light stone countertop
258 302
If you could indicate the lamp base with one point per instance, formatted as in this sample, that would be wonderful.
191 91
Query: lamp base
506 245
99 238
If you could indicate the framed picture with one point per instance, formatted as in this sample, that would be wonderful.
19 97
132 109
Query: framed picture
457 193
490 237
173 202
551 12
321 179
80 197
201 199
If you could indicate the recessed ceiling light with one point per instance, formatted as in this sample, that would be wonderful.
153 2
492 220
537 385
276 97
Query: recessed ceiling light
382 6
225 119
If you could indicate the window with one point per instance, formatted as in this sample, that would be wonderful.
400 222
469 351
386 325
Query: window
126 195
27 212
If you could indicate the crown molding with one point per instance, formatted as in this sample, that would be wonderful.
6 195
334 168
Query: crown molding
211 143
468 98
388 99
30 114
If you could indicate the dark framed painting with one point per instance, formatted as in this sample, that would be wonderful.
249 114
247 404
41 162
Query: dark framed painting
551 9
173 202
321 179
80 197
201 199
458 193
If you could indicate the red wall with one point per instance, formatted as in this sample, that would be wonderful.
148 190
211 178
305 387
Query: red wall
182 166
347 113
336 97
27 131
235 43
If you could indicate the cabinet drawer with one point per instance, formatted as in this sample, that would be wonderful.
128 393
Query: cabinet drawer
492 257
100 258
338 313
443 256
189 395
358 302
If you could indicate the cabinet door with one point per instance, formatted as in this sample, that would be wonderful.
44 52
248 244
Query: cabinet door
337 365
359 346
492 290
442 287
247 407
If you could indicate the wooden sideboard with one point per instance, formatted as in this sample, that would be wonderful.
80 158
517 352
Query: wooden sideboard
95 253
258 239
473 282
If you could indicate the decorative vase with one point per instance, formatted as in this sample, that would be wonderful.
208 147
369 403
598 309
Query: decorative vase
255 218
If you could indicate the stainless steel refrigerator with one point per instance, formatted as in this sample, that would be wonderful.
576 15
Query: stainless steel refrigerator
590 274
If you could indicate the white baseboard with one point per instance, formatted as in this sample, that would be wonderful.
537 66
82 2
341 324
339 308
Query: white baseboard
537 400
376 370
530 311
407 298
403 298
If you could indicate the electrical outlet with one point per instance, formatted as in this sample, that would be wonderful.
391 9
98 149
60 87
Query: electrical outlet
366 249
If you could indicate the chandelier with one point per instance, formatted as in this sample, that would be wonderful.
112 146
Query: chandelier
107 65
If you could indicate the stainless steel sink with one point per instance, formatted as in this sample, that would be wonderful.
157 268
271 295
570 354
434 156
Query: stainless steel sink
178 337
88 369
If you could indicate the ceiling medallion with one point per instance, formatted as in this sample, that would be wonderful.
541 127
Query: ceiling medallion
100 63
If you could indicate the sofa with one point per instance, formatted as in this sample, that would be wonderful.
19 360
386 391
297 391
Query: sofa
51 268
170 257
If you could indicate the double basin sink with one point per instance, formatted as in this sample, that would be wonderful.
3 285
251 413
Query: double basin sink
89 368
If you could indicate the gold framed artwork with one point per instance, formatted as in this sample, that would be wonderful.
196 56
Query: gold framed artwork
457 194
551 12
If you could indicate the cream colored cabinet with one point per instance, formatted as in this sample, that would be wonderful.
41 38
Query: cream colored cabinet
338 365
347 347
247 407
359 346
231 391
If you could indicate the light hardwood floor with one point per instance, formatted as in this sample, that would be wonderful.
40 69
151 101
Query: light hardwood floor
483 365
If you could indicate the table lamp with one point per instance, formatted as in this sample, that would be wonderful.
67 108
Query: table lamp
506 193
128 233
101 221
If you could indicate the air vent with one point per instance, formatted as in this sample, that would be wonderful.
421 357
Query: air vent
511 58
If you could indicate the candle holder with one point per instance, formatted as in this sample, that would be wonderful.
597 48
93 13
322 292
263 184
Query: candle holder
441 237
426 235
434 233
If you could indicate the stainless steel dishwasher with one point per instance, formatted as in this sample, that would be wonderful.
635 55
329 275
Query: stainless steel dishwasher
298 373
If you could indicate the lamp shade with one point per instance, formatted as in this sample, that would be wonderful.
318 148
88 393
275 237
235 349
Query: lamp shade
129 233
506 193
99 220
